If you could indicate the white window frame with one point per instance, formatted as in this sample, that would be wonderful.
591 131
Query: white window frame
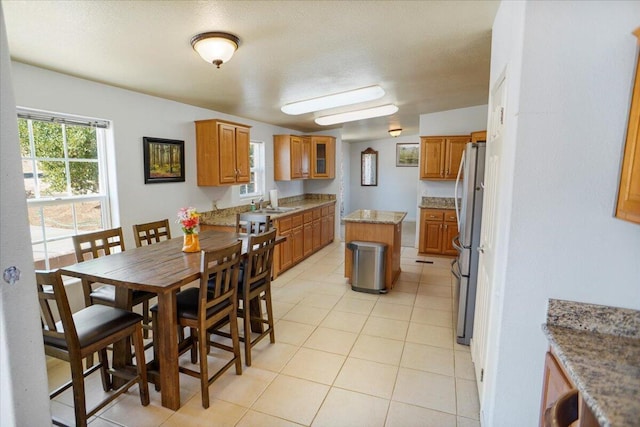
258 170
103 128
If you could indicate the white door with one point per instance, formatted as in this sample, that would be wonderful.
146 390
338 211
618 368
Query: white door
486 263
24 400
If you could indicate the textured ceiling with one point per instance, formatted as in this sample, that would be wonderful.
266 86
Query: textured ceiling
427 55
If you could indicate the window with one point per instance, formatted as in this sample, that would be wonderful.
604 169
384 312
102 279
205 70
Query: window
255 187
63 162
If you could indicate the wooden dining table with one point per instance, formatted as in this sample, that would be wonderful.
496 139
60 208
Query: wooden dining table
161 268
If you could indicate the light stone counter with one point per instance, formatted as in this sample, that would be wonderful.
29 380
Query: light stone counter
375 216
599 347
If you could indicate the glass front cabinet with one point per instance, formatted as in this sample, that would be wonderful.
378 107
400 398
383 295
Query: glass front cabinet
323 157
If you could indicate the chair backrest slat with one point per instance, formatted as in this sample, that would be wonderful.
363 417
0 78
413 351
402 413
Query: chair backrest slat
151 232
260 257
99 243
219 274
51 290
251 223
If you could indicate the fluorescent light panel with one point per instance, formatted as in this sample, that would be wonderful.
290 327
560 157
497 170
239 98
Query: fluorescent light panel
350 116
331 101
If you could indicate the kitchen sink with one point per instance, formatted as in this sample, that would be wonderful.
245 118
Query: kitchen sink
277 210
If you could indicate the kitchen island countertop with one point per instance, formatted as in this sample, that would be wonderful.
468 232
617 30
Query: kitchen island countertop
375 216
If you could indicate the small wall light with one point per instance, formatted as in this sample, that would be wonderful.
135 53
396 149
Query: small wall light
215 47
395 132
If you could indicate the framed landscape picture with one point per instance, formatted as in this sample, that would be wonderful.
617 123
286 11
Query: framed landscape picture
163 160
407 155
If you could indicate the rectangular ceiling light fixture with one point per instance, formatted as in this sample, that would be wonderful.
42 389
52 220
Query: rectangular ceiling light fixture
331 101
350 116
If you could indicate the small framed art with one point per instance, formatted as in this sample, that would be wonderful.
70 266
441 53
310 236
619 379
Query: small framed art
163 160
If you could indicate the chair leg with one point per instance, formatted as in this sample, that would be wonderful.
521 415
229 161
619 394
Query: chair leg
267 297
79 398
246 318
193 334
156 358
141 366
104 369
235 340
204 367
145 318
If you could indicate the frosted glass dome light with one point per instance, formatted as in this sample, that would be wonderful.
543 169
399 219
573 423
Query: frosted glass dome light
215 47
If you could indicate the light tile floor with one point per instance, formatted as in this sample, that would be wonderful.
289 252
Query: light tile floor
341 358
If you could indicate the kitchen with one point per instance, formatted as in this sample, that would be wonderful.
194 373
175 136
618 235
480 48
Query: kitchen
543 203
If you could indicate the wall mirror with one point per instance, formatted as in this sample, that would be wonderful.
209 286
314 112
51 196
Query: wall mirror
369 167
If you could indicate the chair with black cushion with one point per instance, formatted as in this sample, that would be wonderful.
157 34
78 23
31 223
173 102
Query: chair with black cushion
90 330
101 243
252 223
204 309
151 232
255 285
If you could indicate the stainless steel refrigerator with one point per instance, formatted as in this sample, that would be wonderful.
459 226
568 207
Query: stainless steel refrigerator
469 190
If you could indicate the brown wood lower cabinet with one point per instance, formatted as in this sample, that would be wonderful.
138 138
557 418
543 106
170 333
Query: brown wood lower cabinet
556 383
438 227
306 232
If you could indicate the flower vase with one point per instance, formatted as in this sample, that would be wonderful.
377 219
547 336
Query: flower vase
191 243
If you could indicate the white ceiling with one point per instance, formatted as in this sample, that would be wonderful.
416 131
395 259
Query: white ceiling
427 55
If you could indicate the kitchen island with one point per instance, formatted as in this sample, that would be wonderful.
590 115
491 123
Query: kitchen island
376 226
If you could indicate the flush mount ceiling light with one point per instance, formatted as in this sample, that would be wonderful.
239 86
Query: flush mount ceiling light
395 132
350 116
335 100
215 47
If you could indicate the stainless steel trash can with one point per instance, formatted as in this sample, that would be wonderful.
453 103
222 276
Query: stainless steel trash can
368 266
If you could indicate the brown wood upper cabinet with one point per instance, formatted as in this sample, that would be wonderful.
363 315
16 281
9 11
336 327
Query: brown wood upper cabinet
323 157
222 152
628 207
303 157
440 156
291 157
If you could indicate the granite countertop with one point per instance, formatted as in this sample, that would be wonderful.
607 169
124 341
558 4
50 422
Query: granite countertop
227 217
375 217
437 203
599 347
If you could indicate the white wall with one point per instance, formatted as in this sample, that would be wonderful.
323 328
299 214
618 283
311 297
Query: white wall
571 74
397 186
23 387
135 115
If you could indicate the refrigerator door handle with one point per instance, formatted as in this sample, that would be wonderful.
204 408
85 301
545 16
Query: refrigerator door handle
456 244
455 268
455 191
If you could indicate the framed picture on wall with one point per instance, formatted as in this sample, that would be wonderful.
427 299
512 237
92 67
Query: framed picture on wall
163 160
407 155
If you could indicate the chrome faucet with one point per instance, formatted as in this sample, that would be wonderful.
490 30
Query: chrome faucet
260 201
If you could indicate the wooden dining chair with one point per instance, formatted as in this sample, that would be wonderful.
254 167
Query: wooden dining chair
76 336
252 223
102 243
151 232
206 308
255 284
